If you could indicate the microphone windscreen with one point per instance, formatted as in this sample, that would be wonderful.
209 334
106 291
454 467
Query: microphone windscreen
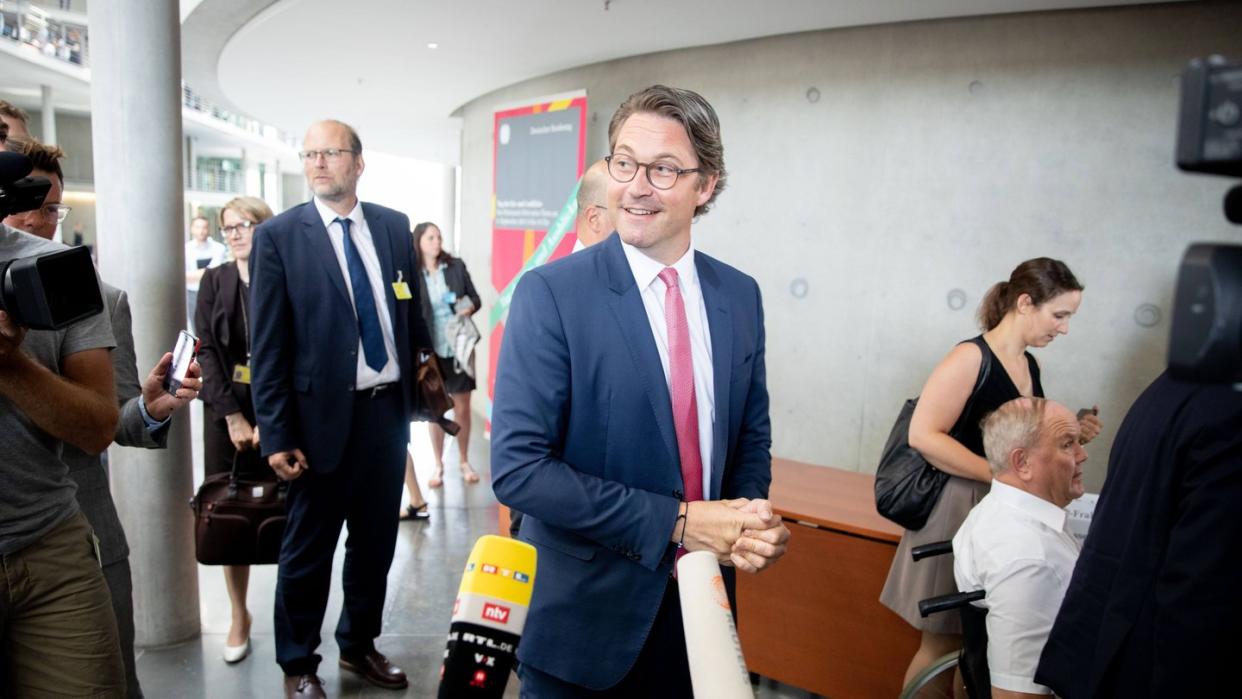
488 617
13 166
717 667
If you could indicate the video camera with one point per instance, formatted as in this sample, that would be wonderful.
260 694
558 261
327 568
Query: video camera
48 291
1206 340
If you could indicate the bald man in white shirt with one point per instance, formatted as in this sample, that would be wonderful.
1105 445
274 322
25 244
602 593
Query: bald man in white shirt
1015 544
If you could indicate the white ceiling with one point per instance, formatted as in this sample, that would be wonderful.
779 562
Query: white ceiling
368 63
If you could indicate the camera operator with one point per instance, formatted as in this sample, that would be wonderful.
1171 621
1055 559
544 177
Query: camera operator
1152 609
56 388
146 413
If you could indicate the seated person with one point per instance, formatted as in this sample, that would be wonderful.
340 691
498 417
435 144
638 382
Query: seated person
1015 544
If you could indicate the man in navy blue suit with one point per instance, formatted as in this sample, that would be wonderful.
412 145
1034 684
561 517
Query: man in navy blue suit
334 323
631 417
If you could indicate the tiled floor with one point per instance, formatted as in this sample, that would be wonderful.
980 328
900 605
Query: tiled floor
422 585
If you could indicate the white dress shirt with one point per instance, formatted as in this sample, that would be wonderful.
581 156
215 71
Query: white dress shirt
646 274
1018 549
360 233
211 250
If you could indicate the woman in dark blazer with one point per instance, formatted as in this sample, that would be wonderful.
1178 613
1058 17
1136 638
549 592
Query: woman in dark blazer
447 292
229 428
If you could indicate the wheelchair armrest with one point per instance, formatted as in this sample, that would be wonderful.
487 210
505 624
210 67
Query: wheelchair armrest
946 602
937 548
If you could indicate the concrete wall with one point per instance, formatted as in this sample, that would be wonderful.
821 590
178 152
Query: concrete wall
882 178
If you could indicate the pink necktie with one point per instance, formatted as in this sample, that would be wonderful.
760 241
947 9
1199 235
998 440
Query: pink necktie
681 386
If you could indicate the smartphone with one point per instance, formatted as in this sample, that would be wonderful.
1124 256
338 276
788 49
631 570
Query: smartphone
183 353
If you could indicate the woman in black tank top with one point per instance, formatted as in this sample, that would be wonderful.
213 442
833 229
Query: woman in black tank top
1029 310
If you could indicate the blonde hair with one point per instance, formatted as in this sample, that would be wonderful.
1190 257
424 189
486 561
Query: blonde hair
253 208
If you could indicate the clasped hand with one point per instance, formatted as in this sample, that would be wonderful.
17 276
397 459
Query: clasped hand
744 533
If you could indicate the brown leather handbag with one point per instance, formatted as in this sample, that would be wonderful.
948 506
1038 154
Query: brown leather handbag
239 521
433 399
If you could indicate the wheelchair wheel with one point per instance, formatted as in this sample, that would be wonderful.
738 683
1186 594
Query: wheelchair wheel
931 682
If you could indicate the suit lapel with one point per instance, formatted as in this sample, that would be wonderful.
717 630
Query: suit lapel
720 327
627 307
321 247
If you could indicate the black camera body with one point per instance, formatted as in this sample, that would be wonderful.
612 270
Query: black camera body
1205 344
1209 125
48 291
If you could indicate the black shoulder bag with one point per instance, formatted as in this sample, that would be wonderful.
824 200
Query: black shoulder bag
906 486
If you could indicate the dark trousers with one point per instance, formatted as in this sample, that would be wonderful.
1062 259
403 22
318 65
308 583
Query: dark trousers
121 586
660 672
364 493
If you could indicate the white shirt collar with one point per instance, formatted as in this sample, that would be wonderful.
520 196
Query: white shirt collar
328 215
646 269
1036 507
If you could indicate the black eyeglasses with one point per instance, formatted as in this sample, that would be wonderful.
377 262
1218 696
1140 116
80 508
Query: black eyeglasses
661 175
311 156
240 227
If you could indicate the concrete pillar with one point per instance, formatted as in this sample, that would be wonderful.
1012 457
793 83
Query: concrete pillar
136 125
49 115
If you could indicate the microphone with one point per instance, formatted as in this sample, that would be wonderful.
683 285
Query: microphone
13 166
488 617
717 668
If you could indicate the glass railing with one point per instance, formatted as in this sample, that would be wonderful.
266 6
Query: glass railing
56 32
253 126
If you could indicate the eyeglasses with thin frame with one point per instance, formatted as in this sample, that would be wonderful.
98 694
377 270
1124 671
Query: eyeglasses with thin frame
311 156
661 175
238 228
57 211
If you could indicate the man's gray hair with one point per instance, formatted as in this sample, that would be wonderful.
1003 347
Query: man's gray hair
1014 425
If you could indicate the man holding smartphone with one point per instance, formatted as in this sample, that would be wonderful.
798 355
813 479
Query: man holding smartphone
333 329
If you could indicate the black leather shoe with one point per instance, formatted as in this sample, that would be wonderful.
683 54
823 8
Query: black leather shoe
376 669
304 687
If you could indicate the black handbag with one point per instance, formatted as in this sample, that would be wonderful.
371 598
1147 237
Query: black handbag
906 485
239 521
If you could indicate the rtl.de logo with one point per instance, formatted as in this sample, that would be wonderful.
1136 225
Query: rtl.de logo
495 612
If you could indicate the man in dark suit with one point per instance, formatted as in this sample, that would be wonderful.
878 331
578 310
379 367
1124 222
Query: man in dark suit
334 320
631 417
1153 607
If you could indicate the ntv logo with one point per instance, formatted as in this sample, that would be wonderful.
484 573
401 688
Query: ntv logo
495 612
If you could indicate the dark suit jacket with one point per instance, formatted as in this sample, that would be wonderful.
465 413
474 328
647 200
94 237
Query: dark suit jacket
457 279
87 470
304 335
1154 608
220 319
583 443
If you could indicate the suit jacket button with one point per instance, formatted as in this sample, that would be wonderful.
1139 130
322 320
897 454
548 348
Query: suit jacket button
678 494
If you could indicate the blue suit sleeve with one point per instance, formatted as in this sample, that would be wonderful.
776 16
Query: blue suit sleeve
271 346
752 473
529 419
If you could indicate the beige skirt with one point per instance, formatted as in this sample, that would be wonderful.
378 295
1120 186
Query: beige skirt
910 582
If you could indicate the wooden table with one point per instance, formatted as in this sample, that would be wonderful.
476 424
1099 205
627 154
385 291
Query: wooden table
814 619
